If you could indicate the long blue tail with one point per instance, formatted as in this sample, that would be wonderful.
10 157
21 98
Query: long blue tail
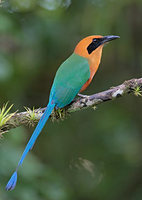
12 182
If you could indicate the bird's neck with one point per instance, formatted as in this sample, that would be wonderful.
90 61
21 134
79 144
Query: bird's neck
94 60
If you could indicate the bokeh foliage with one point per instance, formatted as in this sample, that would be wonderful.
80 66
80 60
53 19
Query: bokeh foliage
92 155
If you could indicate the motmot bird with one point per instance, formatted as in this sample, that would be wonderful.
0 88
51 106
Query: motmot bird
73 76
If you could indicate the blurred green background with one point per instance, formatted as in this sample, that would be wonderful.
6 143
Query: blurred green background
92 155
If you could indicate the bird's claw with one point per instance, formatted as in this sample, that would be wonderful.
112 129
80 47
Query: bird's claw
83 95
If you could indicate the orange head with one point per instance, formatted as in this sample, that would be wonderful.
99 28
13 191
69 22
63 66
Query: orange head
92 44
91 48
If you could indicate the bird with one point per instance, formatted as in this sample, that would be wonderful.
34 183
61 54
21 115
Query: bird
73 76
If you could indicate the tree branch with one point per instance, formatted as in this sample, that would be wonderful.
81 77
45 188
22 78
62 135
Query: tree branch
31 117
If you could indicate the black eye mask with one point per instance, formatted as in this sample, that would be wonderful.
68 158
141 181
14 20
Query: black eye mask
96 42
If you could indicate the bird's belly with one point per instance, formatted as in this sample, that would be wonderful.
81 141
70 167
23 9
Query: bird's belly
93 68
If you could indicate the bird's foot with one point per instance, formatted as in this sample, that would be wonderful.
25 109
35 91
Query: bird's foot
82 95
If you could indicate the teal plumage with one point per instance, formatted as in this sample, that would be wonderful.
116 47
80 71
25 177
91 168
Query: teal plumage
69 79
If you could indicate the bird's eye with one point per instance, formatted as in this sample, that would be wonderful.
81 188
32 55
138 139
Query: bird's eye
94 40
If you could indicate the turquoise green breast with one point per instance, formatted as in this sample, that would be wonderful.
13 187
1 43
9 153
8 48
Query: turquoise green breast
69 79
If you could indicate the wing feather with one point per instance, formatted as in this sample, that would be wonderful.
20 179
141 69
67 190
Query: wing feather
69 79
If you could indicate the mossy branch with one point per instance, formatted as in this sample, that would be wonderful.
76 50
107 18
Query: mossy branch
31 117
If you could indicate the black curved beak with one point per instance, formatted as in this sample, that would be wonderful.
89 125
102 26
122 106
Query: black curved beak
108 38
